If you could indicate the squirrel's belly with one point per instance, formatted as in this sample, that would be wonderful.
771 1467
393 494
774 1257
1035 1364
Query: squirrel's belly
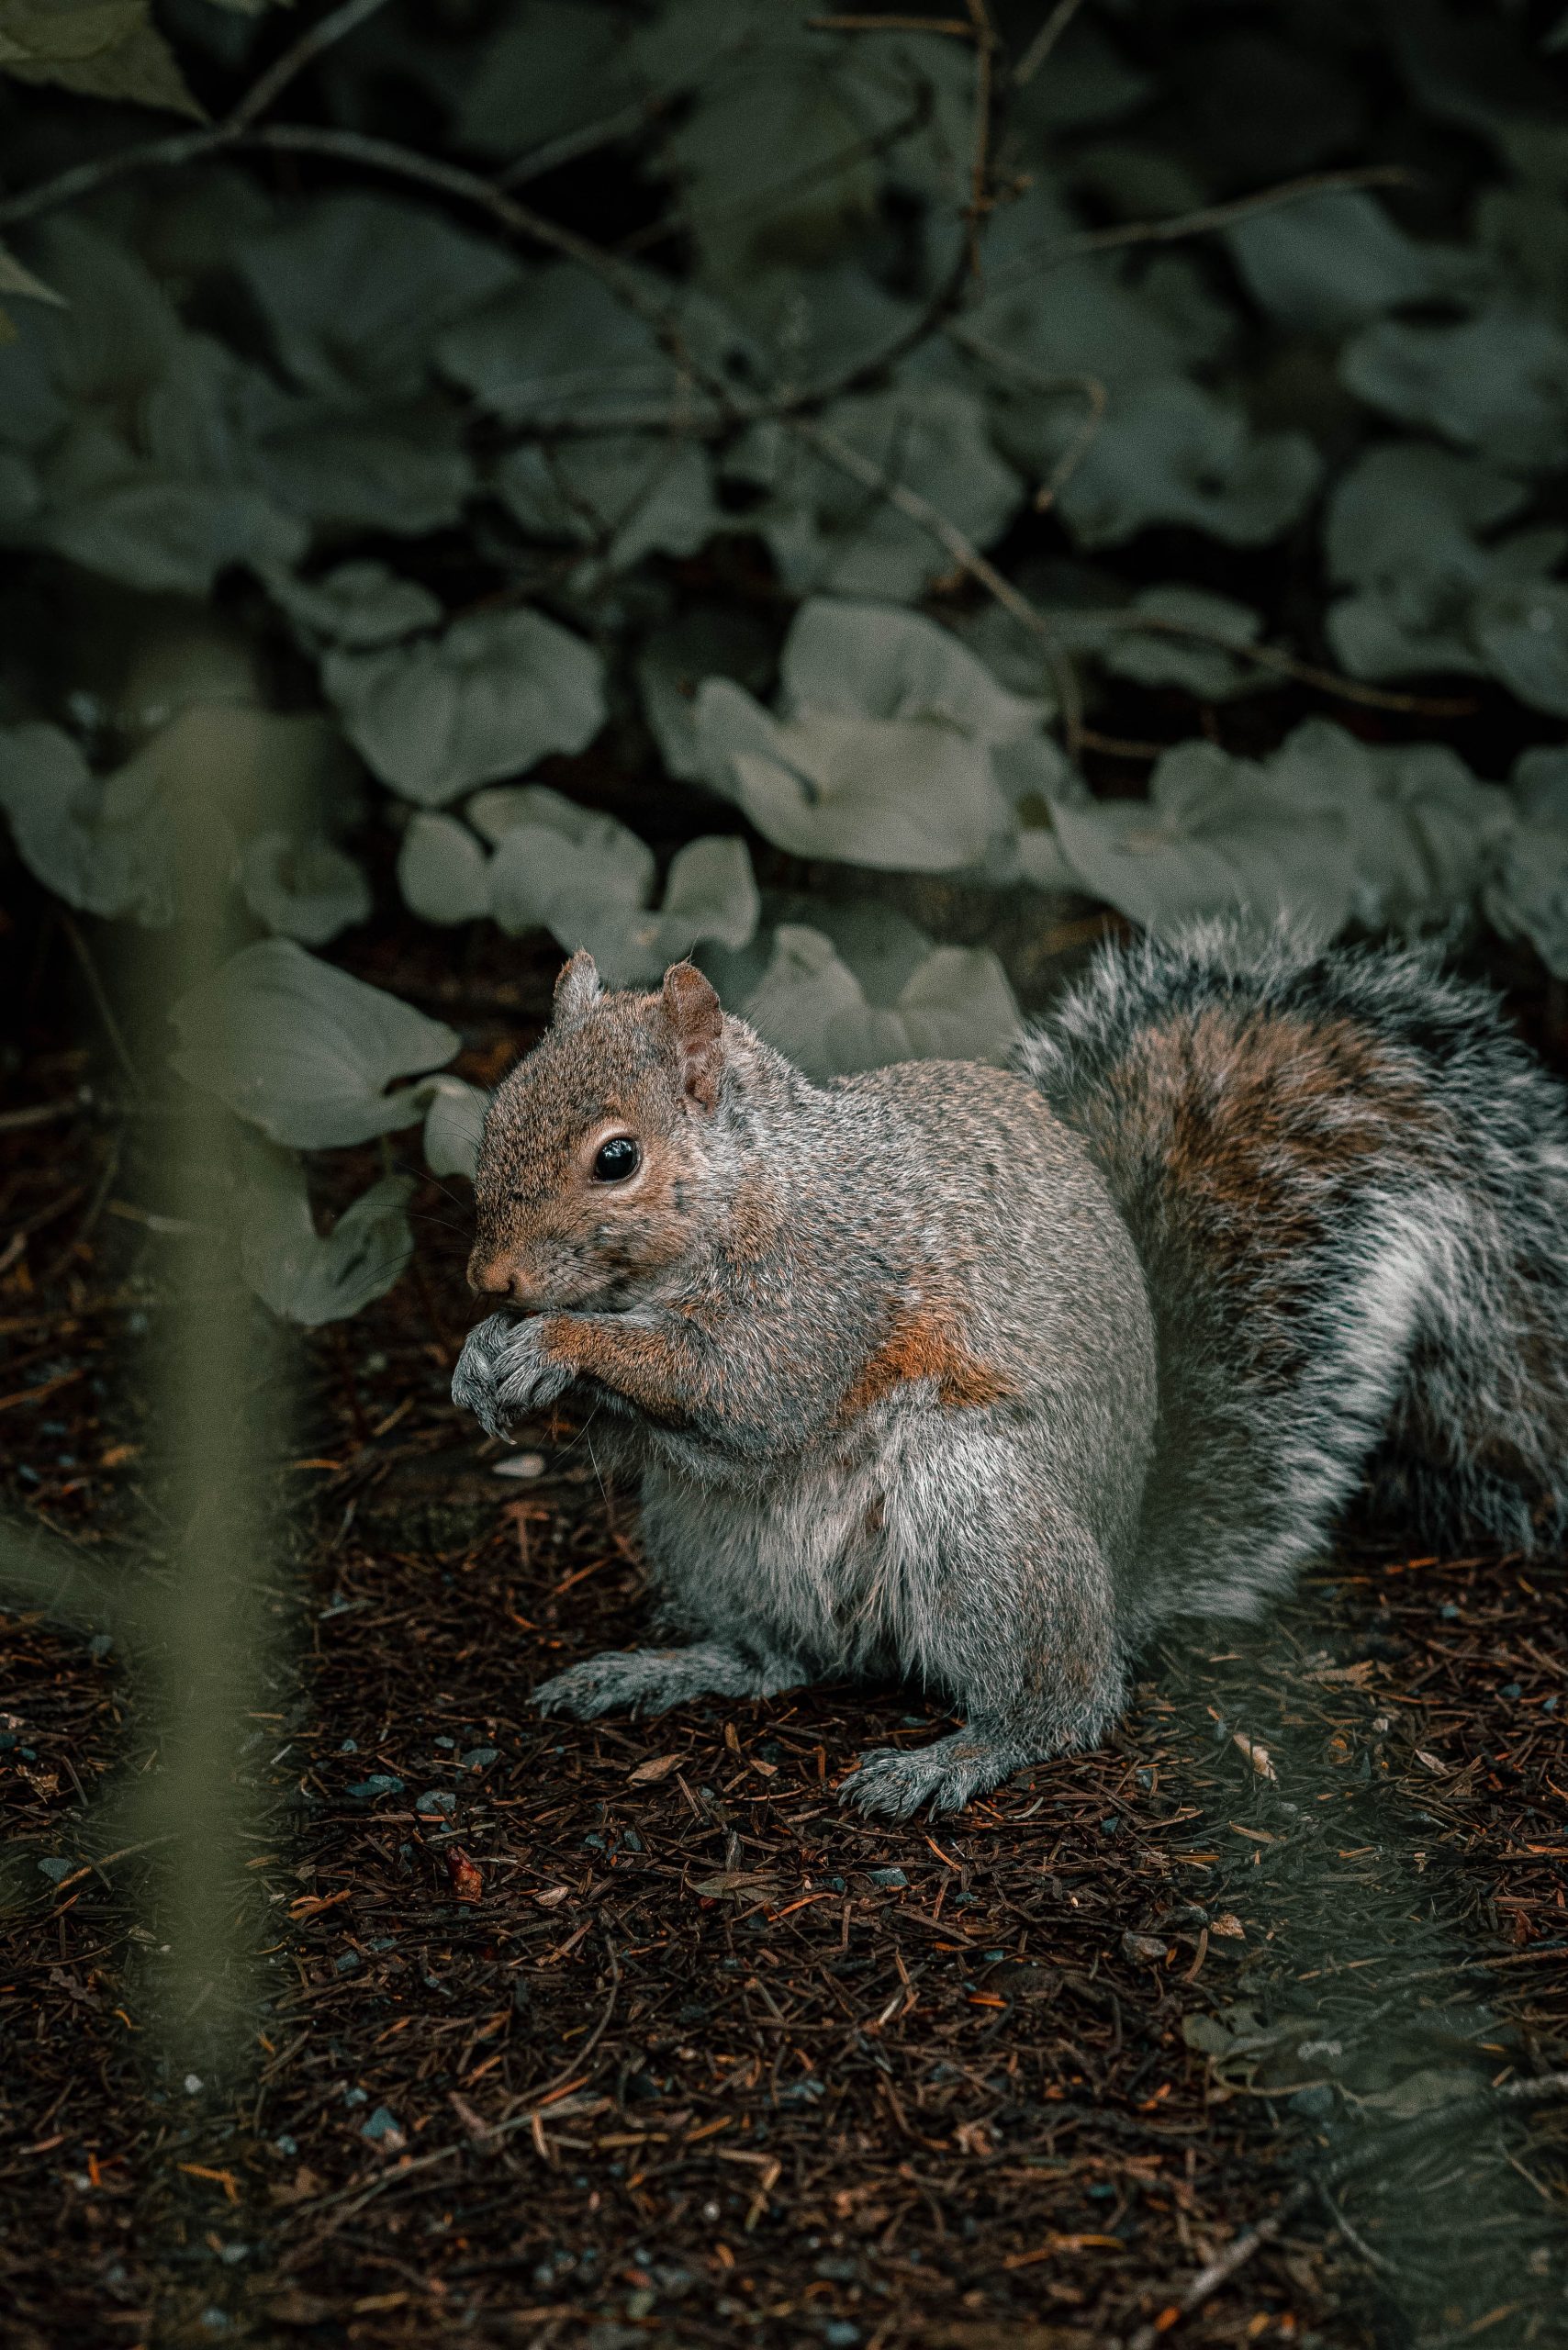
811 1562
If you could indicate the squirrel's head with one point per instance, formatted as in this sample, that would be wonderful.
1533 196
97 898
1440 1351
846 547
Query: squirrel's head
596 1147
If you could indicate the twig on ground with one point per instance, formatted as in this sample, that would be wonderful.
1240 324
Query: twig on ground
1045 41
45 1114
959 25
573 145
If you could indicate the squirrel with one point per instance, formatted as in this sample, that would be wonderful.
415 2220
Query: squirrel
976 1376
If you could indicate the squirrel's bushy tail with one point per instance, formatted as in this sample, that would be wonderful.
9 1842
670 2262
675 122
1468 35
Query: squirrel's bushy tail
1348 1183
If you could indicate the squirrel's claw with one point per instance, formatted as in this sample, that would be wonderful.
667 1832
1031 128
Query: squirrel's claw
502 1374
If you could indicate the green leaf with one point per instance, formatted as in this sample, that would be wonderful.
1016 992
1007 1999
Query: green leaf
624 496
558 866
356 288
705 640
454 1126
141 458
511 105
488 698
1528 896
99 48
442 871
1403 527
560 344
956 1005
304 888
291 1268
884 755
830 534
1329 262
358 605
1328 828
1497 382
1205 670
398 465
710 896
304 1051
109 856
1168 453
1523 629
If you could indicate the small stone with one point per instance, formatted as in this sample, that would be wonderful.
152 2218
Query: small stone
194 2085
380 1783
520 1464
383 2129
435 1803
887 1876
54 1870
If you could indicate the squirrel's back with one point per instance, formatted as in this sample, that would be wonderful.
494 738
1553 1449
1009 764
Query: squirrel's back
1347 1184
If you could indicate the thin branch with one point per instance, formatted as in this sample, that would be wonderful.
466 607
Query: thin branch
573 145
100 993
1211 216
965 554
305 52
1269 657
45 1114
1090 387
1045 41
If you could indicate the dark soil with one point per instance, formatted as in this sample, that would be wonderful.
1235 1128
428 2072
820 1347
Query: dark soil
629 2035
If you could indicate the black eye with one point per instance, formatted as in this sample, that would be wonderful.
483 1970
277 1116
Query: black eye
615 1159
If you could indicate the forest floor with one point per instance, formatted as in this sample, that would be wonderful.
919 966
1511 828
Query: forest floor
628 2035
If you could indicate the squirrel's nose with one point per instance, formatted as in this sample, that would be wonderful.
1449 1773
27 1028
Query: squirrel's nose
501 1277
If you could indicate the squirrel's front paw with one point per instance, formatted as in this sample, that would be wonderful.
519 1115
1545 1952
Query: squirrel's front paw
503 1374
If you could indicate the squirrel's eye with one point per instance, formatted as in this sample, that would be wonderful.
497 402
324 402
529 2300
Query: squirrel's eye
615 1159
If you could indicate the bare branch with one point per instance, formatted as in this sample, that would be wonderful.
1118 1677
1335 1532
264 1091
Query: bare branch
959 25
305 52
1045 41
1196 224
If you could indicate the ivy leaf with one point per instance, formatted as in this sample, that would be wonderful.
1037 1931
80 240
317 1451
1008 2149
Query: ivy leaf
1521 627
511 106
560 345
1329 262
355 289
397 465
1497 382
626 496
828 533
489 697
705 641
956 1005
301 1277
1206 671
1168 453
358 605
558 866
303 1050
304 888
1329 828
104 852
1528 896
15 280
99 48
884 755
442 871
710 896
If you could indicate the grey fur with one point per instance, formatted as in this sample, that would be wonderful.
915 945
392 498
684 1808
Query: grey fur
976 1378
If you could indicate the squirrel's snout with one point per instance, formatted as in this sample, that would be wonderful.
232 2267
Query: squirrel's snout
502 1277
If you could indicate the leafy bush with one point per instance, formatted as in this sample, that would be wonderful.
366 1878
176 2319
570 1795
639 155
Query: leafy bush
837 419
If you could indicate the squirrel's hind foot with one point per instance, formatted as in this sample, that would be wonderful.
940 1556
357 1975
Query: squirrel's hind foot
650 1681
895 1782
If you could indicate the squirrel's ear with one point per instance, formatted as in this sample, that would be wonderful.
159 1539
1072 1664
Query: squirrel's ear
697 1024
577 991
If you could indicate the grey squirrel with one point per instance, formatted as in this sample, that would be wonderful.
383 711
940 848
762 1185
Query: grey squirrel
978 1376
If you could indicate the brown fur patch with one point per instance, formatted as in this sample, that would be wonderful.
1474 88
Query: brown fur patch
1260 1120
923 1343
